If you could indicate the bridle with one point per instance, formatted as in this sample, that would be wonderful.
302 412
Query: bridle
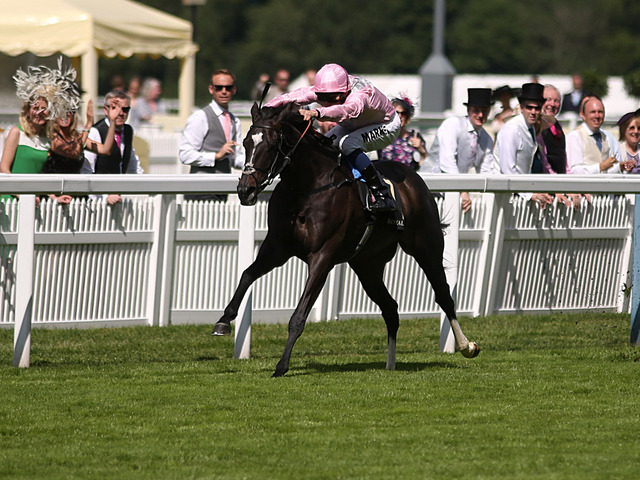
275 170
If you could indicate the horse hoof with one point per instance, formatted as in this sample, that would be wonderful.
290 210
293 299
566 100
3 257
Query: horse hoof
221 329
471 351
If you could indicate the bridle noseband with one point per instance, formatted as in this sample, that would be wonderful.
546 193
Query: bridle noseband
275 170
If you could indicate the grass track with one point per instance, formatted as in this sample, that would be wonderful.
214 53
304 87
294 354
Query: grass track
549 397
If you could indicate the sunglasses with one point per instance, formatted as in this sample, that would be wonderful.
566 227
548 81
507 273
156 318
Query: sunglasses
124 109
402 113
535 108
329 97
219 88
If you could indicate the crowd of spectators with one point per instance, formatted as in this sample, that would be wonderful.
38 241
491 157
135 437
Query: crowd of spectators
527 138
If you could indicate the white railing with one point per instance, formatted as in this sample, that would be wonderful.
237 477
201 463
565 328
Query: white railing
157 260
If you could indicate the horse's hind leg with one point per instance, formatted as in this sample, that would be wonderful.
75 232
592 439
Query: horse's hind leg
270 256
429 257
370 274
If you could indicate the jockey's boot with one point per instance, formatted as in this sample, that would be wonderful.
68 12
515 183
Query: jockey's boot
383 201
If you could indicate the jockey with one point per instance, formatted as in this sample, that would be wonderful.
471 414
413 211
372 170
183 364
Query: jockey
366 121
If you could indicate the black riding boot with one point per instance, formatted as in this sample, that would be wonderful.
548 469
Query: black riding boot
383 201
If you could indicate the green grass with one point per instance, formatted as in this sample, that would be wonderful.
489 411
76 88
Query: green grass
549 397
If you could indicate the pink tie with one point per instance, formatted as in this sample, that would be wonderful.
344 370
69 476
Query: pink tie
226 124
118 138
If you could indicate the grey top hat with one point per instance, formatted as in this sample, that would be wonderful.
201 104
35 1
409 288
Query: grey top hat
478 97
532 91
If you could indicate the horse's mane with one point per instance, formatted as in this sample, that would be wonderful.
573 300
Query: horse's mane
289 114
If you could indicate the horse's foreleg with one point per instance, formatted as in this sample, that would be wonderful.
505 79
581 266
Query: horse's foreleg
269 257
318 272
370 275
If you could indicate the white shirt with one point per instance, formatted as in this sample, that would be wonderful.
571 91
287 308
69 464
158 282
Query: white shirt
515 149
575 155
89 165
453 149
193 135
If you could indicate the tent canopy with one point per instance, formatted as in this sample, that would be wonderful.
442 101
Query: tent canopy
87 28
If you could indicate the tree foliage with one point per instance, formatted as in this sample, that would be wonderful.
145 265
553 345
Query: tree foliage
377 36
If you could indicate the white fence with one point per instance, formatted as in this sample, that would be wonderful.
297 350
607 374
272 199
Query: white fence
157 260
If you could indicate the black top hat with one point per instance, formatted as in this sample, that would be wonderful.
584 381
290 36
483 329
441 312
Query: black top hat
533 92
498 92
479 97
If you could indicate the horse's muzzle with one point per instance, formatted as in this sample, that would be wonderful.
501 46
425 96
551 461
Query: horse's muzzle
248 194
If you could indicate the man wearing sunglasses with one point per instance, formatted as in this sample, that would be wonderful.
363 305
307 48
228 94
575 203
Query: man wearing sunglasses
366 121
212 138
123 158
516 143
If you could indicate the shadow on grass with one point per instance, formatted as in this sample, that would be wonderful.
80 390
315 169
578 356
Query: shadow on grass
311 368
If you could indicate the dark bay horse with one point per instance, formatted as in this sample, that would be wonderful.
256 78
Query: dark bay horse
315 214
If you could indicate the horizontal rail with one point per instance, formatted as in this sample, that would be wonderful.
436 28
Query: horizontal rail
227 183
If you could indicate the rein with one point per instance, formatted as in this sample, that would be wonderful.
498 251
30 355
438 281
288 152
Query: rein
250 169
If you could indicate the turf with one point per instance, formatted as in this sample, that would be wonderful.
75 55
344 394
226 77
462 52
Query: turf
549 397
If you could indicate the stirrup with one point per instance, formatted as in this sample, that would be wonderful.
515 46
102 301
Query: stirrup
383 203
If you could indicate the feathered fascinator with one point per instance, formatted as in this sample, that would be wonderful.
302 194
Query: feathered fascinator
56 86
406 102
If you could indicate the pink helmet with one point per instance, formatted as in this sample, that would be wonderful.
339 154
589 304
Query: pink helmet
331 78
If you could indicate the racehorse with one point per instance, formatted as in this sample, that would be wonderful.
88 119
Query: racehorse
316 214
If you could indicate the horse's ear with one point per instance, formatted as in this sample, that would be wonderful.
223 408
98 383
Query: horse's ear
255 113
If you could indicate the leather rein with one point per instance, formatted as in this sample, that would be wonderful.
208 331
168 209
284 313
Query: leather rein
275 170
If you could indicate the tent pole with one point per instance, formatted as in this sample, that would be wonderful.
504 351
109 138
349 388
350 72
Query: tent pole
89 76
186 86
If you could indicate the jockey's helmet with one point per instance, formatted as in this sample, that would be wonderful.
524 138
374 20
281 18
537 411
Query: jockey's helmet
331 78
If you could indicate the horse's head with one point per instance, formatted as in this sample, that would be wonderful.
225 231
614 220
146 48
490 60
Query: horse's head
268 150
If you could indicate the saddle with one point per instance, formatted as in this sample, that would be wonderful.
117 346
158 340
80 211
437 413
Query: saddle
395 218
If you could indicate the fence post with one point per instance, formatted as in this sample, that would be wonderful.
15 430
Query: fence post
451 239
161 260
635 294
24 281
498 229
246 247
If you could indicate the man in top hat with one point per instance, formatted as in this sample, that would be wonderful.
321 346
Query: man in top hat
516 144
462 144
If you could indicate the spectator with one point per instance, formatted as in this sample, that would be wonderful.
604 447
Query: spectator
366 121
462 144
212 138
134 89
591 150
552 143
502 94
258 88
629 128
310 73
516 144
571 101
409 148
148 104
123 158
117 82
552 138
66 154
26 146
281 81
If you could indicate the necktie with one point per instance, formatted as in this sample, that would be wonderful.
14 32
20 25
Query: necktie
226 124
598 138
474 144
118 138
536 165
